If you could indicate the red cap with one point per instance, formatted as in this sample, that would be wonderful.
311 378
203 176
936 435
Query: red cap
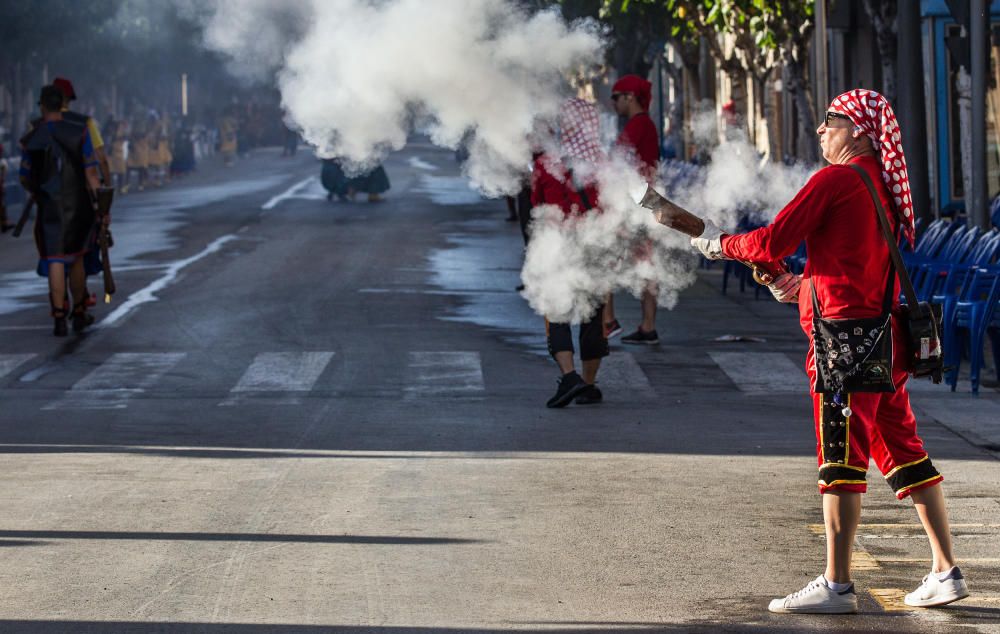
65 86
636 85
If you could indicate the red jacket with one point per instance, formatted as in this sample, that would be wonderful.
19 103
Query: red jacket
548 188
848 257
641 138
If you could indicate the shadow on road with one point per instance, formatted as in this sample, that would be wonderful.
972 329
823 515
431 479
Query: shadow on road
236 537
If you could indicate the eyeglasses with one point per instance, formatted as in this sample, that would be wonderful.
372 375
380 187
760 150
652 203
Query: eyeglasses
615 96
830 116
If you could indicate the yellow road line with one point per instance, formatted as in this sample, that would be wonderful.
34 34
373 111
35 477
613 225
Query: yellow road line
861 559
923 560
891 599
819 529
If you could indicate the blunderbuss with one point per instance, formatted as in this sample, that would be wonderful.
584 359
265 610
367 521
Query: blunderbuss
671 215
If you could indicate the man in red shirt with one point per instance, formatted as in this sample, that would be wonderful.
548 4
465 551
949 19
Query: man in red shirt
640 141
849 269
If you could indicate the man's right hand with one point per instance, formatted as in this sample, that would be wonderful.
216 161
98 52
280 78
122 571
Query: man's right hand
785 288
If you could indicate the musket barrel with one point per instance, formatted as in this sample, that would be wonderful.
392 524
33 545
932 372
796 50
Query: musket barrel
680 219
671 215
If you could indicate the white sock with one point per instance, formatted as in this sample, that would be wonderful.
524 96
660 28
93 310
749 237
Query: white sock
942 576
836 587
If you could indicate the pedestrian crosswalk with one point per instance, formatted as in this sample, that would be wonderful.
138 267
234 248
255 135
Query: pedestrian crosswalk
290 376
445 374
761 372
280 372
115 382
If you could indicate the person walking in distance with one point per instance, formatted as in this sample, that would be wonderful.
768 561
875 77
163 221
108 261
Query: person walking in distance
138 150
639 140
850 276
118 133
567 181
65 87
59 169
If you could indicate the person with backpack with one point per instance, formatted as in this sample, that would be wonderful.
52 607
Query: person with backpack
59 170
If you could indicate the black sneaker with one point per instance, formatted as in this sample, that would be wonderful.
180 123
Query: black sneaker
59 329
590 396
81 320
639 337
570 386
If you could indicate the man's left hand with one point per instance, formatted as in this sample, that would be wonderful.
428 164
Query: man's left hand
710 242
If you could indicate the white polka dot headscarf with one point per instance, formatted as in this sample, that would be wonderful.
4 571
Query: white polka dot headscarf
580 131
871 112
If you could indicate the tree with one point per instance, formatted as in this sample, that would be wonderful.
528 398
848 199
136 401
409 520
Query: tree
883 18
765 35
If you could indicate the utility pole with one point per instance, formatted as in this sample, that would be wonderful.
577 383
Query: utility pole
911 108
822 61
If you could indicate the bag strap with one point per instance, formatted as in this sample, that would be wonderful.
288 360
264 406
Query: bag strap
897 258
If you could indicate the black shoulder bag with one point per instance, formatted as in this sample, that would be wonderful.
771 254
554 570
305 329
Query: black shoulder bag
921 321
854 355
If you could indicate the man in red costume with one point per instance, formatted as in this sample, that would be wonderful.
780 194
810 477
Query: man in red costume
567 181
848 268
640 141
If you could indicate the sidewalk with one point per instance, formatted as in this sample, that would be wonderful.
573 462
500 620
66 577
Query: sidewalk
975 418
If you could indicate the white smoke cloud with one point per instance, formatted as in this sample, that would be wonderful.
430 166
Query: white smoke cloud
355 76
571 264
358 76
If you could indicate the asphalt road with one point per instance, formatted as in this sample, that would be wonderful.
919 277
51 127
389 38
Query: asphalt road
303 416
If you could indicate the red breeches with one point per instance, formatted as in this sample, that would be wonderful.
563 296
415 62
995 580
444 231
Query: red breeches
880 427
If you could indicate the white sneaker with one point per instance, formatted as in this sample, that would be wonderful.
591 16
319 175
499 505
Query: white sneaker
933 593
817 598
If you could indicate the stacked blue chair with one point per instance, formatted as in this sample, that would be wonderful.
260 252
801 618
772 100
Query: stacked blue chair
742 273
930 277
926 272
948 291
972 316
930 242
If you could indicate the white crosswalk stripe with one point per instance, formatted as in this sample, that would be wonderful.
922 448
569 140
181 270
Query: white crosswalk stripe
113 383
761 372
283 372
280 372
620 373
436 374
10 362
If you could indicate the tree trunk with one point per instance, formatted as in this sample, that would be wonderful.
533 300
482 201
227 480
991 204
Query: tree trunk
804 108
675 134
738 79
770 121
883 19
